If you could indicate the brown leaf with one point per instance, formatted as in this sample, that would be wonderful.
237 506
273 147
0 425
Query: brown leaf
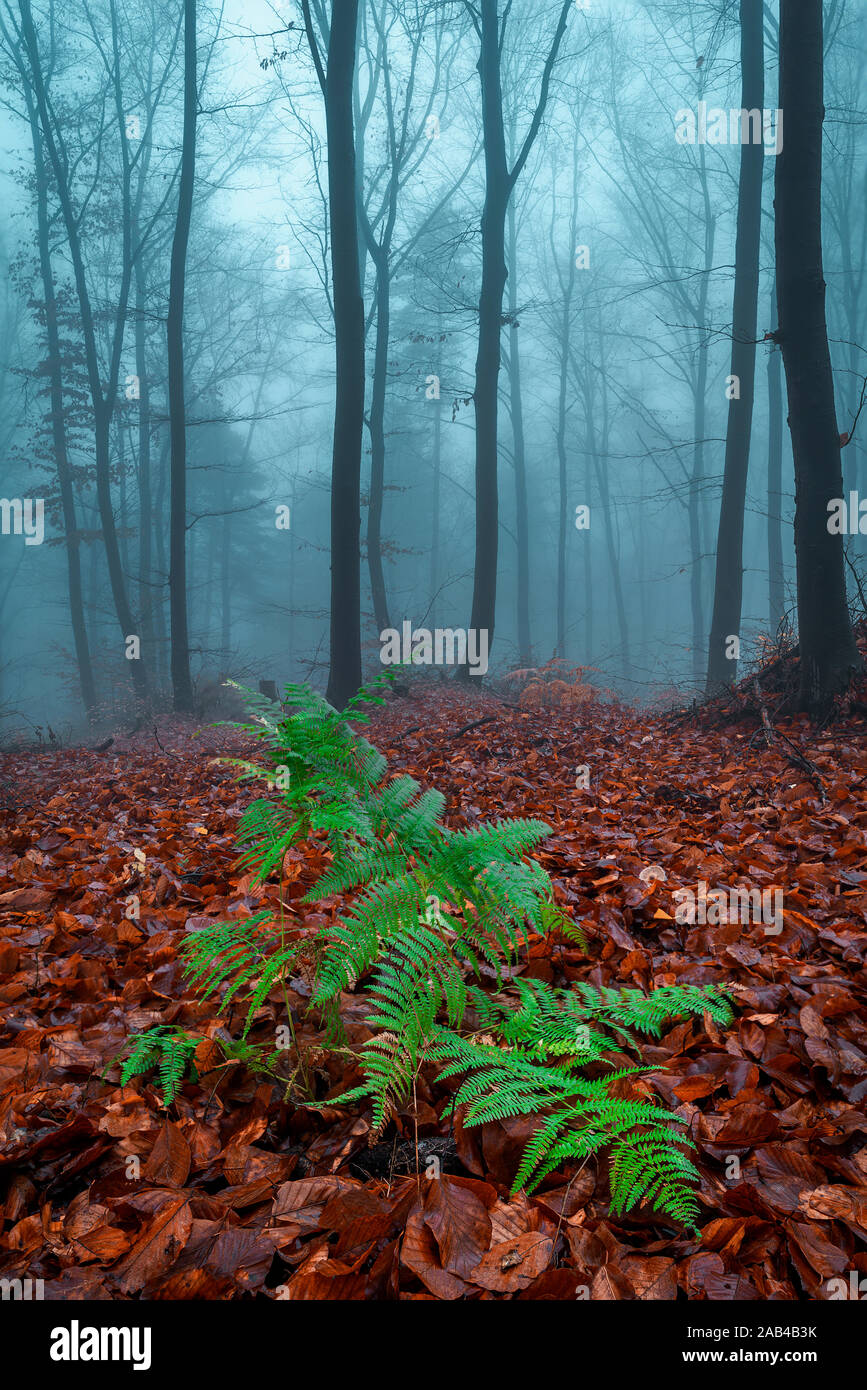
158 1245
513 1264
419 1253
456 1210
837 1202
170 1159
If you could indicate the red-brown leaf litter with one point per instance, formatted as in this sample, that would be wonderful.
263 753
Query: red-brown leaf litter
235 1191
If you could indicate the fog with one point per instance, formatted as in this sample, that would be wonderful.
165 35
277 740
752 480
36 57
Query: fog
614 392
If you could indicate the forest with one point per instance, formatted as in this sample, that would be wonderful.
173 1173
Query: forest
433 621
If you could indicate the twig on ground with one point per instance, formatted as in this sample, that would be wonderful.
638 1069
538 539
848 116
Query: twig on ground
795 758
766 722
476 724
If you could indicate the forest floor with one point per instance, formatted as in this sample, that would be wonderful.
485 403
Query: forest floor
237 1193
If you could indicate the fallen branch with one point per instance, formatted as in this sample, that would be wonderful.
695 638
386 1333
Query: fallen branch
766 722
795 758
476 724
799 760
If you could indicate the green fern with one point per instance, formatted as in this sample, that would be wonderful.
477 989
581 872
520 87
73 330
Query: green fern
433 911
169 1052
530 1066
239 956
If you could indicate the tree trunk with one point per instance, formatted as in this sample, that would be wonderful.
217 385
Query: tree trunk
499 183
436 483
182 689
128 625
344 674
522 527
562 479
58 425
123 504
728 587
601 467
696 596
102 401
776 580
699 524
293 564
827 646
145 499
377 444
587 547
567 290
160 566
493 226
226 580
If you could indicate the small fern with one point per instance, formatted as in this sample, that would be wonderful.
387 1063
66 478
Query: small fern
433 910
169 1052
532 1067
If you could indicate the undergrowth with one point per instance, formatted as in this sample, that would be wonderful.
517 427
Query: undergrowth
433 910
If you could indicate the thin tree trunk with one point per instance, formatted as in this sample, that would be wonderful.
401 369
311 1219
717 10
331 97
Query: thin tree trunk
776 581
522 523
207 601
485 394
695 516
611 540
336 81
587 547
293 564
58 424
562 490
568 291
344 674
182 689
728 588
698 520
643 576
226 586
159 608
145 498
123 504
436 483
102 401
377 444
499 183
827 646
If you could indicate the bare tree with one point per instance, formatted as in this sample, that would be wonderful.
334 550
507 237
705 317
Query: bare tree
728 588
500 181
55 377
828 654
103 387
336 79
180 655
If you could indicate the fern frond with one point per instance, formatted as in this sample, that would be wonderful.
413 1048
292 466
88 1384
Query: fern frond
168 1051
389 847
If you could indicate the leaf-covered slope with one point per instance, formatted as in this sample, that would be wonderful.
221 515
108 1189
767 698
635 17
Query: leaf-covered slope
236 1192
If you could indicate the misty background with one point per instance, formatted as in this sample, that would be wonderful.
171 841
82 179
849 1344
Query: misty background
616 339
